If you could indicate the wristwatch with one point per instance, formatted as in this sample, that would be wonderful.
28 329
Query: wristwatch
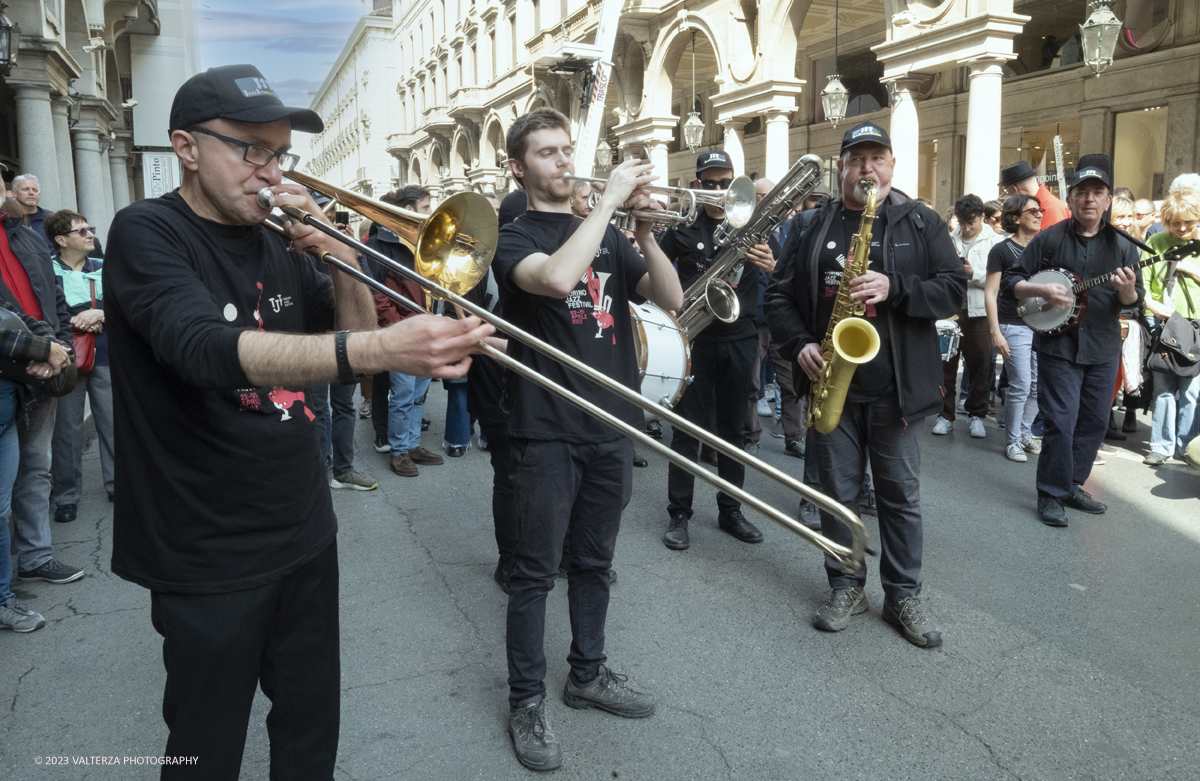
345 373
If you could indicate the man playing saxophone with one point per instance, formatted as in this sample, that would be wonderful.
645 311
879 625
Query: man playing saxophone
914 277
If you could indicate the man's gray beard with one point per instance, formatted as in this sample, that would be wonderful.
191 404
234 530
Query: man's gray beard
860 189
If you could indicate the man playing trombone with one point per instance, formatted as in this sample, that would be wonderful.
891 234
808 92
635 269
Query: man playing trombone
222 505
568 282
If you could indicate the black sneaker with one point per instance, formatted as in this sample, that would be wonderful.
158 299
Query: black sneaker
65 513
795 448
1154 459
1050 510
1083 501
908 615
676 536
52 572
382 445
866 503
835 614
810 516
608 691
736 524
503 575
536 746
654 429
425 424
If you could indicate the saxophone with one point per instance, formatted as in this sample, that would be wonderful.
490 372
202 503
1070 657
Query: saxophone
849 338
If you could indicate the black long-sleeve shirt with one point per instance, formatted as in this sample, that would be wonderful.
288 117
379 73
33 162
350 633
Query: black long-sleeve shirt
1097 337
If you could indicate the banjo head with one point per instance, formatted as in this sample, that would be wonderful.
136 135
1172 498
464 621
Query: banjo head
1040 315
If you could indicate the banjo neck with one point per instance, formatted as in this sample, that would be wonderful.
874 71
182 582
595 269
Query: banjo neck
1174 253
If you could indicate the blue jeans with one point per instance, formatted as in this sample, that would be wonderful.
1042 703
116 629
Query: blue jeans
405 406
458 420
10 456
1020 400
31 494
1174 424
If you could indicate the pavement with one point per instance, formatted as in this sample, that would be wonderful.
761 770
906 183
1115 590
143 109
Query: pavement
1069 653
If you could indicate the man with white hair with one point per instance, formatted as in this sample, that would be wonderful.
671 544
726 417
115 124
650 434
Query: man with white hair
28 196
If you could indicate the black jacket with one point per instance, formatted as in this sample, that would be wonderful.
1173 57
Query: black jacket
35 259
927 282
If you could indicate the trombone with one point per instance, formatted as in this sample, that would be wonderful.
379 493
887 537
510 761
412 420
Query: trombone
738 203
452 248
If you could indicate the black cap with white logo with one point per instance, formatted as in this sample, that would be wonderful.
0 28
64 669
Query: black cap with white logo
865 133
715 159
237 92
1093 167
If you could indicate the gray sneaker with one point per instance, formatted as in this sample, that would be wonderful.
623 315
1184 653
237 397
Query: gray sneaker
609 691
52 571
18 617
536 746
354 481
835 614
909 616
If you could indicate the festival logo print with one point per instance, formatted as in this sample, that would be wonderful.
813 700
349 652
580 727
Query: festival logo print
250 399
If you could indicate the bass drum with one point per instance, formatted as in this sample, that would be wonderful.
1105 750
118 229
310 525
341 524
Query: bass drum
949 334
664 355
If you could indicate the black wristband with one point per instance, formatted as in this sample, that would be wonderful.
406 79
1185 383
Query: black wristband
345 373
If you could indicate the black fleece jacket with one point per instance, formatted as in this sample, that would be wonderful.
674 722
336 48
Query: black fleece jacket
927 282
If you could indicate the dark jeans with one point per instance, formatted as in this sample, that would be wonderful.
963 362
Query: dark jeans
381 385
1074 401
876 431
976 347
721 372
218 648
564 492
504 493
345 416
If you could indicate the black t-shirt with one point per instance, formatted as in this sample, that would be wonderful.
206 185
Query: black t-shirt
219 484
693 250
876 377
592 324
1000 259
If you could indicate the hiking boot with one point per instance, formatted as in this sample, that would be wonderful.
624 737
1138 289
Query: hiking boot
1031 445
794 448
608 691
835 614
736 524
423 457
382 445
1016 453
402 464
1154 459
1081 500
1050 510
354 481
52 571
977 429
908 615
18 617
65 513
536 746
676 536
943 426
810 516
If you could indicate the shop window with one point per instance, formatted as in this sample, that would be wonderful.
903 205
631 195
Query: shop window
1050 39
1038 147
861 73
1140 151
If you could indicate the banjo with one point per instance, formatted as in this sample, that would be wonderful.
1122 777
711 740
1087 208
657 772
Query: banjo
1044 318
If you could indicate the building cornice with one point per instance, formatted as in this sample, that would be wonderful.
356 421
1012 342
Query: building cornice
984 36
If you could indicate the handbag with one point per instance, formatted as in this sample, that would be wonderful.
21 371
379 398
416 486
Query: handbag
15 369
85 342
1176 347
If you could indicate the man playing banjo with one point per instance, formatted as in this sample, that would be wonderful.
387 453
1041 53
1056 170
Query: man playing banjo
1077 366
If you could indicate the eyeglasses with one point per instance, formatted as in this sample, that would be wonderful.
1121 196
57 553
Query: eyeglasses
254 154
1038 212
716 184
83 232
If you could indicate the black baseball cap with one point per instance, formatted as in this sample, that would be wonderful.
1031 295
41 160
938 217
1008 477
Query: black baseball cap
865 133
237 92
714 159
1093 167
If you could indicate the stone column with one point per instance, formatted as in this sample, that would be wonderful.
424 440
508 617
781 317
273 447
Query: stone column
118 158
106 174
89 176
1183 127
62 148
659 156
734 129
35 137
906 136
778 157
982 170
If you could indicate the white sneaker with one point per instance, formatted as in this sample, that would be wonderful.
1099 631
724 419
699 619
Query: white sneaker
1032 445
977 429
764 408
1016 453
960 406
943 426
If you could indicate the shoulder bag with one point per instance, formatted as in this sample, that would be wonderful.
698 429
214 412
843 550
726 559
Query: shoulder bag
85 341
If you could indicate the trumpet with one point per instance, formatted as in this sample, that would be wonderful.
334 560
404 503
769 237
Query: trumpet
737 202
452 249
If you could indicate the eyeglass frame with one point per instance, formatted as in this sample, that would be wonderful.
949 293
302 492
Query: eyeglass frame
247 146
717 184
1035 210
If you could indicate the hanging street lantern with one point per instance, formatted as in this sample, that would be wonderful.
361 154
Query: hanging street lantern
10 41
834 99
693 131
1099 34
603 154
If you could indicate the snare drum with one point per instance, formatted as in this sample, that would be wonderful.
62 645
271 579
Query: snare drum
949 334
664 355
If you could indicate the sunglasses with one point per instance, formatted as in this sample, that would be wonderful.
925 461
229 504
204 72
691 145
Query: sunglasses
1038 212
83 232
716 184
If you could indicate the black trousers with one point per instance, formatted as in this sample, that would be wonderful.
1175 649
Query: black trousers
381 385
876 431
218 648
569 492
976 348
504 492
721 372
1075 401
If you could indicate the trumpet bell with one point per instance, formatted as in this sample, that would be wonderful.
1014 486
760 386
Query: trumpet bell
453 246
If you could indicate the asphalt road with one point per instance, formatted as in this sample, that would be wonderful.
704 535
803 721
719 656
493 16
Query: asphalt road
1069 653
